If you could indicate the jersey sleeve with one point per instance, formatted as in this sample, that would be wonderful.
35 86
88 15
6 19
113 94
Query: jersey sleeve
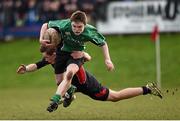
58 24
52 24
41 63
95 37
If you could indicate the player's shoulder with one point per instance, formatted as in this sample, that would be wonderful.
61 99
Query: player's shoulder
90 30
91 27
59 23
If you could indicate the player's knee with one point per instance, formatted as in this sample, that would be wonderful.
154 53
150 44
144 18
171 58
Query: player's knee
59 79
113 96
57 83
69 75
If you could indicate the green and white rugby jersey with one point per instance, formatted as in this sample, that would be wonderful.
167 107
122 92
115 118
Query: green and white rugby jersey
74 42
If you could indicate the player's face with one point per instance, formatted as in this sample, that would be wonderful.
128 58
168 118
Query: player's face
77 27
49 58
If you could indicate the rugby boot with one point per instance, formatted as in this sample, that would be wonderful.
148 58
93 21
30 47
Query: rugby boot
154 89
69 96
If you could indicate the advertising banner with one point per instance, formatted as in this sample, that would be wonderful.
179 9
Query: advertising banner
140 17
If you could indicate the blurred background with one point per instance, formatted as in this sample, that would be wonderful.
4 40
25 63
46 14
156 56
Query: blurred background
23 18
20 18
128 26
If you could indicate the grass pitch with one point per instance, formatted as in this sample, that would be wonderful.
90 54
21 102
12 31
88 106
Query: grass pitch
31 104
27 96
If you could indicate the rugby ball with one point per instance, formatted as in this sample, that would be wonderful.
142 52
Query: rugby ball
53 36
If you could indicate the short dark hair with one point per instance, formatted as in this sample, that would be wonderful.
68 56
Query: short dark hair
47 50
79 16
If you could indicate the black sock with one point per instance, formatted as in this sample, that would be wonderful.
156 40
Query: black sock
146 90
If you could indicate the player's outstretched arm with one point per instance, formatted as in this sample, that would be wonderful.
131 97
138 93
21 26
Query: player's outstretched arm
29 68
107 58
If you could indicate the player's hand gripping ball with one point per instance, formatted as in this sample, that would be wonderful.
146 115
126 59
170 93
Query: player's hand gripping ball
51 37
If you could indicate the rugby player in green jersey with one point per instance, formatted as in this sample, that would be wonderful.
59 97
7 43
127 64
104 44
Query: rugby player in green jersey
74 32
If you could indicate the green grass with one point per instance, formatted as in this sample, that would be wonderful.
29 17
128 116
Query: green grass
26 96
31 104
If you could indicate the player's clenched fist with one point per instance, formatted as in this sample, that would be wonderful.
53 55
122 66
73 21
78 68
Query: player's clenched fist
21 69
109 65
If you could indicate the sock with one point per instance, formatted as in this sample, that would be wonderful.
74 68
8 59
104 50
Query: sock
56 98
71 89
146 90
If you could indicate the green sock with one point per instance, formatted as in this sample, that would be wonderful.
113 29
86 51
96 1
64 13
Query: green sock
71 89
56 98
